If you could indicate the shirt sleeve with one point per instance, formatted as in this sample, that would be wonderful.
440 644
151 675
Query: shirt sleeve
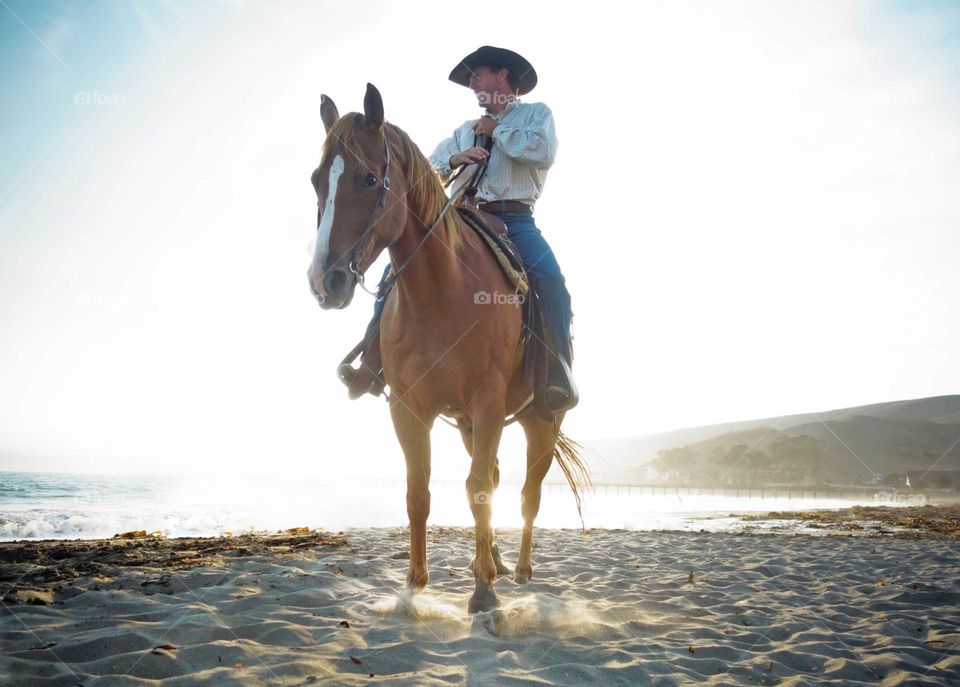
533 142
440 159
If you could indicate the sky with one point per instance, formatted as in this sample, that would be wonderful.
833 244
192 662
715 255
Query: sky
754 204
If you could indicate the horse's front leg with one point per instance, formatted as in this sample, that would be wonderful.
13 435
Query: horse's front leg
487 428
414 435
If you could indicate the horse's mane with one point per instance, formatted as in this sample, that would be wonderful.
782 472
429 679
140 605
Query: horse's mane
425 196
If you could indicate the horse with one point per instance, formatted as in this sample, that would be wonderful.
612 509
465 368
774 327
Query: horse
447 346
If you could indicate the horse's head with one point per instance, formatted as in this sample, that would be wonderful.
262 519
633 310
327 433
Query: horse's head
357 184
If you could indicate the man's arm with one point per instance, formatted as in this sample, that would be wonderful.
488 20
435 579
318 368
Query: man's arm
440 159
533 141
447 157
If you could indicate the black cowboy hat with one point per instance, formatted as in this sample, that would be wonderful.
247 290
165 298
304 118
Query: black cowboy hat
522 73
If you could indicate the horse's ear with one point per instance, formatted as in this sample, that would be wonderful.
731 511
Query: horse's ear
373 108
328 112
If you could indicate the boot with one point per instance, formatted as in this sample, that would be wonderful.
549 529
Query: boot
561 394
369 378
561 391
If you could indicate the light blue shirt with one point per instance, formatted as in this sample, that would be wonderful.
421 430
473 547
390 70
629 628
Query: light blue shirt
525 145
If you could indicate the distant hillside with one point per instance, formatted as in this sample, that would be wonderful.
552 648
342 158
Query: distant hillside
886 445
940 409
857 443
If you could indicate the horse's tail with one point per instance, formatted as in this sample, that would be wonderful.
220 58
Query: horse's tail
567 453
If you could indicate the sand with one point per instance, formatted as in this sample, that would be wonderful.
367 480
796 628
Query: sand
605 606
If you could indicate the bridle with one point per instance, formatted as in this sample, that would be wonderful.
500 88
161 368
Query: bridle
356 255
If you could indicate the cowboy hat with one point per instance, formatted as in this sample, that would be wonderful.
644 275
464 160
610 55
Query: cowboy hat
522 73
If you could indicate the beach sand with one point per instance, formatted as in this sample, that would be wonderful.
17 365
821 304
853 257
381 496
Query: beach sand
605 606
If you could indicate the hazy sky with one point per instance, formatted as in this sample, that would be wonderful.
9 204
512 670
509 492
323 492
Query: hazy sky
755 205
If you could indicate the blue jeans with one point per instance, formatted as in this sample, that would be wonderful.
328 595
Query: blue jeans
545 277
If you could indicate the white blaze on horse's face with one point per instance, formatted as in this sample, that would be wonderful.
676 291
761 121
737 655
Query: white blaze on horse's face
326 215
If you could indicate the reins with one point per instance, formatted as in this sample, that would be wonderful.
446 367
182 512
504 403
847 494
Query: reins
393 276
473 185
469 189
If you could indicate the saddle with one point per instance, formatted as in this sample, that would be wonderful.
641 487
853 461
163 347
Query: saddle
494 233
537 352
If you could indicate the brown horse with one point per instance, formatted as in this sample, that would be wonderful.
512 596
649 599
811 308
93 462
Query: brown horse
446 348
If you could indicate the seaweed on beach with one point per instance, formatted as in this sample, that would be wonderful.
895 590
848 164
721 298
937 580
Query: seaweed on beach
907 520
53 564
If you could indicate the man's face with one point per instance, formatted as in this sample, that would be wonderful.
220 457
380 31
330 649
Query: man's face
489 85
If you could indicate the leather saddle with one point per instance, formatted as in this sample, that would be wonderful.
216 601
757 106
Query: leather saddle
493 227
538 351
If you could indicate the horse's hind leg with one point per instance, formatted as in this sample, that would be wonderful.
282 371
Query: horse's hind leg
487 428
541 441
466 433
414 437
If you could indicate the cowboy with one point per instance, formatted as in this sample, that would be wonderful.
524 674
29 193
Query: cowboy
517 143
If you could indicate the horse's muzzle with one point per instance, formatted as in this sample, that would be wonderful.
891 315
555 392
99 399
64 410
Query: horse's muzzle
337 288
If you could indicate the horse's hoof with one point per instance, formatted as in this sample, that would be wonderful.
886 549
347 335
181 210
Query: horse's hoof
521 579
483 599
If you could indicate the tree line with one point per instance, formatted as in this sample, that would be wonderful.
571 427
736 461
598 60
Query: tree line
786 459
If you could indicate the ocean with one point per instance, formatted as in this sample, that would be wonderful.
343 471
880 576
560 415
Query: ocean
74 506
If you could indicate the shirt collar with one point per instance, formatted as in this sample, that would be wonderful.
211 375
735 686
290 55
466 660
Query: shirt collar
512 104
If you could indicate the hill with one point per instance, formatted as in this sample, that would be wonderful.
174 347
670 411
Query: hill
848 445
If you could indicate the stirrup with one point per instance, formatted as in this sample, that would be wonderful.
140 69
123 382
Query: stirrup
346 373
561 393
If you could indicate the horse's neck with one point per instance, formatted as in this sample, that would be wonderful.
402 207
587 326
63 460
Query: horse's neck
434 267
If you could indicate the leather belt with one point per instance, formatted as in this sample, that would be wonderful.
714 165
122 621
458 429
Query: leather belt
496 206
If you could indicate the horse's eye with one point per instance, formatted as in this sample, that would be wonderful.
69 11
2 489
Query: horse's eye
370 180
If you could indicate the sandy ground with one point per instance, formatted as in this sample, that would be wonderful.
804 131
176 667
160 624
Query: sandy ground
606 606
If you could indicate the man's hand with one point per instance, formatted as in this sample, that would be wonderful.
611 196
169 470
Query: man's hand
469 156
485 126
